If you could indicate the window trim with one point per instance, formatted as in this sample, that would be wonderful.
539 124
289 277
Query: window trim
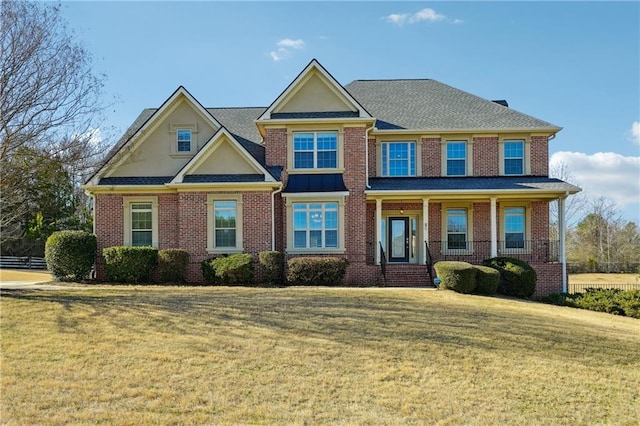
316 128
468 140
527 227
178 131
211 241
315 151
380 146
292 199
445 235
526 153
173 129
127 230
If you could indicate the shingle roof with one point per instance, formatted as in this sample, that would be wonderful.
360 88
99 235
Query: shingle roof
223 178
135 180
331 182
431 105
470 183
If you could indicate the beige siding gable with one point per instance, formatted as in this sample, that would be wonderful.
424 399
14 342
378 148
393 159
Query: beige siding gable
154 152
224 158
315 94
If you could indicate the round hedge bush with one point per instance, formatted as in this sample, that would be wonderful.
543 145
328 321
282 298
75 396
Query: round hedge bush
517 277
129 264
457 276
487 280
173 264
70 255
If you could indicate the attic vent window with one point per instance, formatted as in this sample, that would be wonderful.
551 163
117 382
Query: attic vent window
183 139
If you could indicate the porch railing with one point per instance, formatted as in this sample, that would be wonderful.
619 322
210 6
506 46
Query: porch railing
428 261
383 263
540 251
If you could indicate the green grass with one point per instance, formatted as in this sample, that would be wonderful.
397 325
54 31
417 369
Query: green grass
205 355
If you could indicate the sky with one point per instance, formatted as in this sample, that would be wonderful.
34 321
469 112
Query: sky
574 64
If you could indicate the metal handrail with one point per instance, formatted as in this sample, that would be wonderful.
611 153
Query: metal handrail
383 263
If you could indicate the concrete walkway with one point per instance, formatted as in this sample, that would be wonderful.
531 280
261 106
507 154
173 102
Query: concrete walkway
19 279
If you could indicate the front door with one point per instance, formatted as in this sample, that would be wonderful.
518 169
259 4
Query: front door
398 239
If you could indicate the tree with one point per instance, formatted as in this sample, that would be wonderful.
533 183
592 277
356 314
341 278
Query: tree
49 104
575 205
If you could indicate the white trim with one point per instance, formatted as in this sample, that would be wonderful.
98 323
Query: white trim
317 195
211 242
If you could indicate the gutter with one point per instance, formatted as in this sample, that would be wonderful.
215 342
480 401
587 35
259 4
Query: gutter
273 217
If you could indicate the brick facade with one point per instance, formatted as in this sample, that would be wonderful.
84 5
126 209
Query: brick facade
182 214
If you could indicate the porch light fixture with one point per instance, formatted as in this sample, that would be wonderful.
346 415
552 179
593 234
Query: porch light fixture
401 210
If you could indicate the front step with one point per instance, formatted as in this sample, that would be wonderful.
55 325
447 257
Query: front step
407 275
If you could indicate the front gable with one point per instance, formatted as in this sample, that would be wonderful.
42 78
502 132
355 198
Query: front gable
222 158
314 94
152 149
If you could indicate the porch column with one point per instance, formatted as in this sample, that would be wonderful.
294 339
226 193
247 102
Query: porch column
562 235
494 228
425 229
378 230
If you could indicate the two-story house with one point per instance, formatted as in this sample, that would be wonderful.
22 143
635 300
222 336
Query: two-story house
391 173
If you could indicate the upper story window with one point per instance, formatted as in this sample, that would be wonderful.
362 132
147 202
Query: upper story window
183 140
315 150
513 157
398 159
315 225
456 158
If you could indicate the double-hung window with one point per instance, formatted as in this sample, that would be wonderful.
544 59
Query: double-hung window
183 140
141 224
457 229
224 223
315 225
513 157
456 158
514 227
315 150
224 213
399 159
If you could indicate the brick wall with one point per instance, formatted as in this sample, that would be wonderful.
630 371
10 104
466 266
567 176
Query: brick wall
539 156
549 278
485 156
431 157
109 224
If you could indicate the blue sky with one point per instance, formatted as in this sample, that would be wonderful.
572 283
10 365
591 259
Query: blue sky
574 64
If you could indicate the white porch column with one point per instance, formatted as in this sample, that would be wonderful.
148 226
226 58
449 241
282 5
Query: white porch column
378 230
425 229
562 235
494 227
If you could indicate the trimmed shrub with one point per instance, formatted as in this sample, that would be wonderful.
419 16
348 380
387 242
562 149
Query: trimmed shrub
457 276
173 265
322 271
612 301
208 273
236 269
129 264
487 280
517 277
70 255
272 267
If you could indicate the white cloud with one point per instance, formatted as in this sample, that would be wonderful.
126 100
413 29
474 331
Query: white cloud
285 47
635 132
427 14
604 174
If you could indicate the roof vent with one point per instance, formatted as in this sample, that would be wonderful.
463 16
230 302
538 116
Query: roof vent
502 102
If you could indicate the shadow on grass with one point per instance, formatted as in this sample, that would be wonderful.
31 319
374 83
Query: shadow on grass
363 318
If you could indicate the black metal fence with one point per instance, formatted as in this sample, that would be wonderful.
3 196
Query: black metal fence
582 287
539 251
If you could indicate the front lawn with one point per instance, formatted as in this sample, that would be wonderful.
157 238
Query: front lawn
219 355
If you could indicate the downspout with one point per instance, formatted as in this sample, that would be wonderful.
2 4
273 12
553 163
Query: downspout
273 217
366 153
562 234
